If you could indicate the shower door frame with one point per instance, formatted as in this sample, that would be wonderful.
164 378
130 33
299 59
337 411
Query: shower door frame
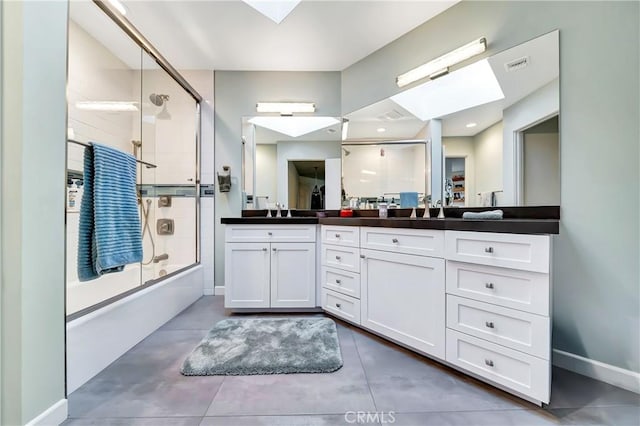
147 47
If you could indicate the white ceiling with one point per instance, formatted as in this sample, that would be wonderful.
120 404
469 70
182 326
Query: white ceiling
316 36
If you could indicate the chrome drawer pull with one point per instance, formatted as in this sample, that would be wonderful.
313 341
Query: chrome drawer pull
264 249
488 250
338 258
489 285
274 249
269 233
489 324
488 362
395 241
362 256
337 235
338 305
338 281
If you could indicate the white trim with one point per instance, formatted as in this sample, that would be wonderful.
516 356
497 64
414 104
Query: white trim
219 290
209 292
54 415
626 379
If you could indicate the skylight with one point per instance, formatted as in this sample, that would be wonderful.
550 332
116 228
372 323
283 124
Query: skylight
467 87
276 10
294 126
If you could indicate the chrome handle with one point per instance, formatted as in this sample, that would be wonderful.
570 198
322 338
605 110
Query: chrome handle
488 250
338 281
269 233
489 285
489 324
274 249
264 249
338 305
488 362
338 258
395 241
337 235
362 256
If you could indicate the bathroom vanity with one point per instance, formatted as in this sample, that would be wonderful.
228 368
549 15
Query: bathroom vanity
474 295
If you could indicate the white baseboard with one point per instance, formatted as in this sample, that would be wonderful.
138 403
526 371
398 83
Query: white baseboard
54 415
219 290
626 379
209 292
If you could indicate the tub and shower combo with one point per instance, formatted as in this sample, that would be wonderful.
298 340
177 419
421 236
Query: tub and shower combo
127 96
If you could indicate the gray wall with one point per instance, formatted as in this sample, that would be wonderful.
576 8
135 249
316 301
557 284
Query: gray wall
236 94
595 263
33 180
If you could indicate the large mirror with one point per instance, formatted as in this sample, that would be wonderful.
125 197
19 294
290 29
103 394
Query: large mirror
292 161
491 128
485 134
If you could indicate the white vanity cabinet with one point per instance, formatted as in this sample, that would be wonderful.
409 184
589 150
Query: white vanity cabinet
340 275
274 266
403 298
498 309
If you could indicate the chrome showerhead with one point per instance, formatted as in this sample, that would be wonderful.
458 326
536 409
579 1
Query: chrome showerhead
158 99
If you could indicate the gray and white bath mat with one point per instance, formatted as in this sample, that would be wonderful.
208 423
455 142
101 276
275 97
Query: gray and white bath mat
248 346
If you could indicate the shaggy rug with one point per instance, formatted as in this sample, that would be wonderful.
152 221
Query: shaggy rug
235 347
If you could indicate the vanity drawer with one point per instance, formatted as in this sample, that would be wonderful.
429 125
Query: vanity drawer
341 235
523 373
515 329
523 290
425 242
341 306
270 233
341 281
347 258
525 252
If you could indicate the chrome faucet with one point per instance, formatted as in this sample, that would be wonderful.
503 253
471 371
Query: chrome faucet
279 212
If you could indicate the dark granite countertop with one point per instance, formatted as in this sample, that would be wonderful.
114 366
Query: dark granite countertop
510 225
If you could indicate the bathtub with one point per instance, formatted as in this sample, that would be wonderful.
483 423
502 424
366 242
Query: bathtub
81 295
100 337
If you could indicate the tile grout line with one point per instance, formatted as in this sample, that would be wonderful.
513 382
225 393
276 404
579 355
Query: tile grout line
364 370
214 397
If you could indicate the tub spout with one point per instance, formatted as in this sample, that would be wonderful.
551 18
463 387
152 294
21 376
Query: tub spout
160 258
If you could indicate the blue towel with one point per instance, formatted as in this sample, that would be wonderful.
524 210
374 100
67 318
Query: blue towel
487 215
109 236
408 199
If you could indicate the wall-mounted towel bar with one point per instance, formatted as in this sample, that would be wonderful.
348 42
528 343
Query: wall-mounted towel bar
148 165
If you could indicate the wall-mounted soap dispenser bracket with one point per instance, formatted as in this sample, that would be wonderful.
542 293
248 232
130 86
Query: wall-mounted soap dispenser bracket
224 180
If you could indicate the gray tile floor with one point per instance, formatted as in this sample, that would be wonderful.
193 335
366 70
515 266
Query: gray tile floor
145 388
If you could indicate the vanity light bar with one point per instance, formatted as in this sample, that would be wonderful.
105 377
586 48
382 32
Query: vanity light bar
440 65
286 108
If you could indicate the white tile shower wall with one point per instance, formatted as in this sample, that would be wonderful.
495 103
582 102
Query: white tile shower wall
181 246
95 74
202 81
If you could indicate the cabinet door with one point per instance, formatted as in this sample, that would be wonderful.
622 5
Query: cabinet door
403 297
293 275
247 270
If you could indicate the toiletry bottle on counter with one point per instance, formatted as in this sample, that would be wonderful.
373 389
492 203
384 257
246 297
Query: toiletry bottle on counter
382 210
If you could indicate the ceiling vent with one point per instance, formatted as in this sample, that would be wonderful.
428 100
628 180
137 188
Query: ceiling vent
391 115
517 64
